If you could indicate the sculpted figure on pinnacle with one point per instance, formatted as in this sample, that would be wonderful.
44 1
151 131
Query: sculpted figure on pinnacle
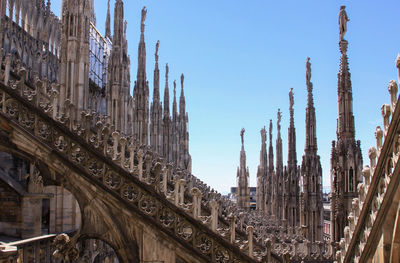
343 19
263 135
291 99
242 134
157 47
308 70
279 118
144 12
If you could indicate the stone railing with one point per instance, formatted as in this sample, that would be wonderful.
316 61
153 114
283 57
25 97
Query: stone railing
285 240
38 249
38 57
132 173
381 180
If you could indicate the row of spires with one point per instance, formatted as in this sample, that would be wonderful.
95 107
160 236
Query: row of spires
131 115
278 188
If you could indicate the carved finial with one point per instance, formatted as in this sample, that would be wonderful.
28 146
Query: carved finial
291 99
166 72
144 12
157 46
174 88
182 79
242 135
343 19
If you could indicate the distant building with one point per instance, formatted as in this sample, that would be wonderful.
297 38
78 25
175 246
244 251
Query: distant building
327 217
253 196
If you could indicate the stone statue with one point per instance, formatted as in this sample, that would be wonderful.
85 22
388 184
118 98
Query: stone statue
35 183
343 19
144 12
308 70
242 134
291 99
182 79
166 71
157 46
279 118
270 128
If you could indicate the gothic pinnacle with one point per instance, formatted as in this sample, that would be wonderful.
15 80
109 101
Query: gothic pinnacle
141 71
108 21
271 150
174 105
166 74
242 136
174 90
166 93
182 106
279 161
278 122
309 83
263 135
156 92
311 141
292 133
291 103
270 132
345 98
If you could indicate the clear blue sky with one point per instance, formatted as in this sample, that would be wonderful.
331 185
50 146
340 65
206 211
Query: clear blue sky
240 58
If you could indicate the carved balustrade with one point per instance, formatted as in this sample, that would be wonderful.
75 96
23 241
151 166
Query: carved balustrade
38 249
381 180
110 160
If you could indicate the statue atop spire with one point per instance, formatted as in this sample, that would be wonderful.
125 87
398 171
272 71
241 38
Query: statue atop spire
343 19
291 99
263 135
182 79
242 135
144 12
270 132
308 71
166 72
278 120
108 21
156 55
346 157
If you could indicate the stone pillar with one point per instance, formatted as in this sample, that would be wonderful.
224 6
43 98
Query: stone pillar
232 228
214 215
249 231
196 202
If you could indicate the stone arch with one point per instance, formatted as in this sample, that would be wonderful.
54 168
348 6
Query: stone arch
96 250
61 212
99 221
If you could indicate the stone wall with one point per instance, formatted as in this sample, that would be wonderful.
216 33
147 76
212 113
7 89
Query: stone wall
10 211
